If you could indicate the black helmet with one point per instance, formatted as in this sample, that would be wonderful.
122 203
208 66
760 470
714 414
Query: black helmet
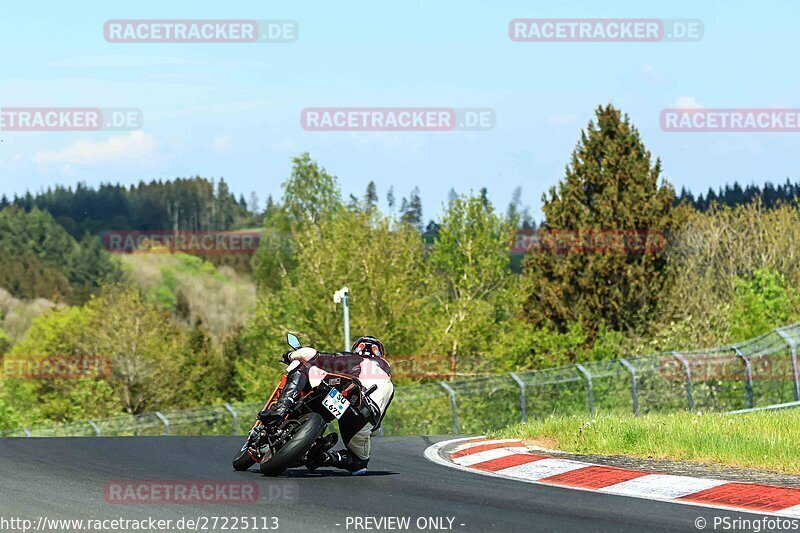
368 347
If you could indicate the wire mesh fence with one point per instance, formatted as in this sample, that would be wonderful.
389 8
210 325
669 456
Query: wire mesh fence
758 372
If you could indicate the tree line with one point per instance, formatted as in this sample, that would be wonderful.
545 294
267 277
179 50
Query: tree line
191 204
40 259
768 195
449 304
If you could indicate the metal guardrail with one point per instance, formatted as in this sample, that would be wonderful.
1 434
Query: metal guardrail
787 405
756 374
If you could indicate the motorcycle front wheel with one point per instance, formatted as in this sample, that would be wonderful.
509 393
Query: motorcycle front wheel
311 427
242 461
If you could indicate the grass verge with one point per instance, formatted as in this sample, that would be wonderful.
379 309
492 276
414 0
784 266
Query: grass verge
768 440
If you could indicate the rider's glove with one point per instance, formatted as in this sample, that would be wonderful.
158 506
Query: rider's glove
287 357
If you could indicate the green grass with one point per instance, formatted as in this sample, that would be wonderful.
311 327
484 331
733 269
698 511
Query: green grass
768 440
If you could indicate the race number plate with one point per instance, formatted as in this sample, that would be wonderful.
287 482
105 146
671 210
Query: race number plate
336 403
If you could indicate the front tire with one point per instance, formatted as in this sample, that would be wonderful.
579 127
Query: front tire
243 461
311 427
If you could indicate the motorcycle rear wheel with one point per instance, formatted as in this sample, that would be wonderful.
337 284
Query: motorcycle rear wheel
311 427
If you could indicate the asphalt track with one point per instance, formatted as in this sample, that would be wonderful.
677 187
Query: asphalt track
65 478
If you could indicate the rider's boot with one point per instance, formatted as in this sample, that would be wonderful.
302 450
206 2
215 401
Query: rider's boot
346 460
316 455
295 383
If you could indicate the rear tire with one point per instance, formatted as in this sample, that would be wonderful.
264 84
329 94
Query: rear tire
311 427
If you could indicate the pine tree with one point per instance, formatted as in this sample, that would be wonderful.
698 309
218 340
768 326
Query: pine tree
411 209
452 196
270 208
484 197
371 196
591 267
253 205
390 200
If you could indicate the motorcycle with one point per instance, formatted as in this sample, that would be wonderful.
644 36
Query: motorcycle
300 437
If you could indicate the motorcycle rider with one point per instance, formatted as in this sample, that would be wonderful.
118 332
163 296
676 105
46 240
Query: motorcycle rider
365 361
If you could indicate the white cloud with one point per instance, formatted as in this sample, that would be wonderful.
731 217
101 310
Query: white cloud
136 147
564 119
688 102
222 144
651 72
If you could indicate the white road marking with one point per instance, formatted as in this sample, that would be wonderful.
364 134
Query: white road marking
486 455
542 468
662 486
793 511
432 454
481 443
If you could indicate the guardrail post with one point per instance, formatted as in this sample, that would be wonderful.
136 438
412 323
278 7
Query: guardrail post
685 363
793 347
748 375
521 384
590 392
235 418
94 427
165 421
452 394
634 391
27 432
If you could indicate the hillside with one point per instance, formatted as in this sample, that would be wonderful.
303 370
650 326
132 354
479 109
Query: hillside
193 289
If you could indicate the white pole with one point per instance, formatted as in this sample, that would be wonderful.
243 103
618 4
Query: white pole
341 296
346 322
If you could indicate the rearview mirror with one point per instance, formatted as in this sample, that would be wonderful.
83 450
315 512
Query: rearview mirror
293 341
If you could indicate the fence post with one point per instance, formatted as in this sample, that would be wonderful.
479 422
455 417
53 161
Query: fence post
748 376
235 418
793 347
94 427
521 384
452 394
588 376
165 421
634 391
685 363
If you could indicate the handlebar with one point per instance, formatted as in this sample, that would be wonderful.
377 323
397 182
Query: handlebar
371 390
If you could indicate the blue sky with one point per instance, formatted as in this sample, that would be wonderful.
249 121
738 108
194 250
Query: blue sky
232 110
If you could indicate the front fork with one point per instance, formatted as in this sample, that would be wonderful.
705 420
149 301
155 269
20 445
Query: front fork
276 393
